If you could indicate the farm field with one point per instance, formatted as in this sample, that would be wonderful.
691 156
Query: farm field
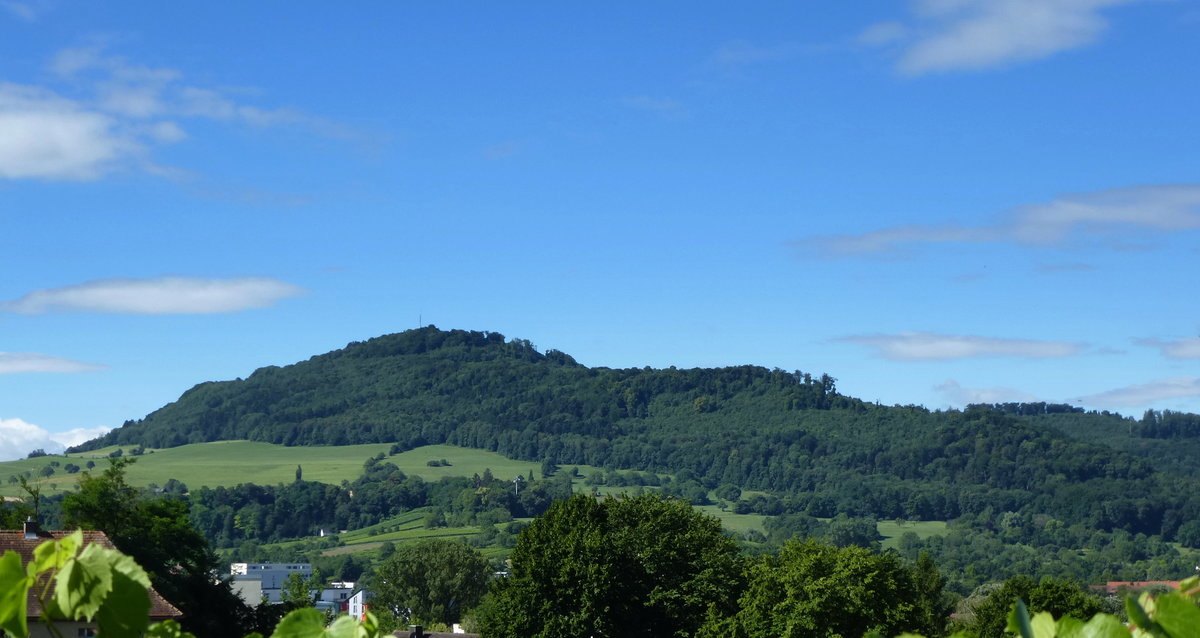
232 462
227 463
891 531
212 464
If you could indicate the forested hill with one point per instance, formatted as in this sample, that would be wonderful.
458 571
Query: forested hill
789 434
422 386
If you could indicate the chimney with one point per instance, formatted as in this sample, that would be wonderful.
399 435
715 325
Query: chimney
33 532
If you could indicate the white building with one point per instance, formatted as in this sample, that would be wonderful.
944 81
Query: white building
263 582
356 605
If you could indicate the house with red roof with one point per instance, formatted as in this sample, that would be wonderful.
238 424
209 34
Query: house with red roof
24 541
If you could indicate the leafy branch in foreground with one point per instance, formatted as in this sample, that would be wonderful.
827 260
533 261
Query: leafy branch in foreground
71 581
1171 615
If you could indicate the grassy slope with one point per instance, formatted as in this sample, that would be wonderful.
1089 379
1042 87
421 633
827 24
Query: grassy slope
233 462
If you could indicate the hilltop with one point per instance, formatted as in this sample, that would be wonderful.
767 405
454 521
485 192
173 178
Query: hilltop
790 435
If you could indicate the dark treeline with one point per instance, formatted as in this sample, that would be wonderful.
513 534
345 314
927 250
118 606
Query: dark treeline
789 434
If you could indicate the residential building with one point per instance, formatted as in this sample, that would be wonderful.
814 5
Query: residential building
23 542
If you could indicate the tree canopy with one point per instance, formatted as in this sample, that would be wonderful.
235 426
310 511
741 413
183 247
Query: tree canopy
159 536
640 566
813 589
431 581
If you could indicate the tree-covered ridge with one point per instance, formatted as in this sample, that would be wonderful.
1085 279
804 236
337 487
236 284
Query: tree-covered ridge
416 386
791 435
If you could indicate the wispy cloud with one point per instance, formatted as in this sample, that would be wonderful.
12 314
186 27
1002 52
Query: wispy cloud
734 57
1055 269
501 150
106 112
653 104
970 35
1158 208
928 346
1188 348
164 296
21 362
20 10
18 438
1146 394
959 396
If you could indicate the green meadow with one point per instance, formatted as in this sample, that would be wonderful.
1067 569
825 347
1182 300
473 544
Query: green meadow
228 463
891 531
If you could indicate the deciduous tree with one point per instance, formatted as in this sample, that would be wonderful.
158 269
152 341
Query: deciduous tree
433 581
629 566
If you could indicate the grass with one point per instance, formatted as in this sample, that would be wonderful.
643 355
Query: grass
736 523
228 463
213 464
463 462
892 531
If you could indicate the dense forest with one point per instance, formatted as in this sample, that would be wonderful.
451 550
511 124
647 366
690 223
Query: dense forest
790 435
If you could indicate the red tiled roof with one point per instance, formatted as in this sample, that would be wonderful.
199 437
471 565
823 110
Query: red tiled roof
1114 586
15 540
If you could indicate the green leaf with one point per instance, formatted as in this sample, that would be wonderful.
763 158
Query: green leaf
14 592
301 623
1105 626
126 610
171 629
1043 625
83 583
1018 620
54 554
1069 627
1138 615
344 627
1178 617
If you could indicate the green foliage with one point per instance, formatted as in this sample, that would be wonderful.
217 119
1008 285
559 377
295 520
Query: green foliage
90 583
432 581
1171 615
299 591
158 534
589 567
72 581
813 589
791 434
989 617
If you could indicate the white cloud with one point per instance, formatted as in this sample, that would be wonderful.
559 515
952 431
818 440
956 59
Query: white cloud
164 296
1188 348
967 35
883 33
18 438
109 113
959 396
1114 212
21 362
45 136
927 346
1146 394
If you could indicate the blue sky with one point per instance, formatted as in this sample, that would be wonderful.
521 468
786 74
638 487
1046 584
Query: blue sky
937 202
